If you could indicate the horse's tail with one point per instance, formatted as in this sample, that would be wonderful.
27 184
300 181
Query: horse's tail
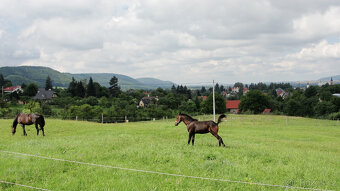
220 118
42 121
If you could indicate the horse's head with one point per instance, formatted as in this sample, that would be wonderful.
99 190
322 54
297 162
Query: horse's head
178 119
13 130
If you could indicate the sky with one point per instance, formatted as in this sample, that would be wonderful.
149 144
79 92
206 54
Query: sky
186 41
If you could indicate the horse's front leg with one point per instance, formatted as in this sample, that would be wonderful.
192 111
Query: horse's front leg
193 139
190 136
37 128
23 128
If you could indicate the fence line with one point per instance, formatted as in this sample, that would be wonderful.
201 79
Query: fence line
22 185
231 120
162 173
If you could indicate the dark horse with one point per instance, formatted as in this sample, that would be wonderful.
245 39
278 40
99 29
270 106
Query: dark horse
29 119
194 126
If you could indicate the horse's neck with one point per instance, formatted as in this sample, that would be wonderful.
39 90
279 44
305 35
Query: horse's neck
187 121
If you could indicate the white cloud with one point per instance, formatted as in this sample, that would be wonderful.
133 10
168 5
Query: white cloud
316 25
182 41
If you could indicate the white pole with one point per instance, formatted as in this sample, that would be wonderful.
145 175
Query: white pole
214 100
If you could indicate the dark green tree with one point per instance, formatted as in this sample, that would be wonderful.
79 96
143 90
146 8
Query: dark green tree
324 108
31 89
311 91
114 88
188 107
48 83
4 83
254 101
72 87
23 85
79 90
207 105
90 90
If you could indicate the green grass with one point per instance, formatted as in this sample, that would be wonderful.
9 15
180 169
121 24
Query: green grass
296 152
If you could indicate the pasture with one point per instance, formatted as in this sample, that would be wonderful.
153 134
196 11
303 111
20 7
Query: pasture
272 150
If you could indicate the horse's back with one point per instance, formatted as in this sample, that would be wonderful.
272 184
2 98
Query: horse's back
26 119
202 126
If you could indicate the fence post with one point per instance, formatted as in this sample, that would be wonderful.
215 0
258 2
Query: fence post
77 118
102 118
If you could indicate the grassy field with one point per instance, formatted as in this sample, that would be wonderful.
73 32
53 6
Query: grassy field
272 150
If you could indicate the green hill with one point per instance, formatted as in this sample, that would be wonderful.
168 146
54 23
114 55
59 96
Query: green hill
38 75
34 74
153 82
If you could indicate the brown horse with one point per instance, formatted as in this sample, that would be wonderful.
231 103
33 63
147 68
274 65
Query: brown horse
29 119
201 127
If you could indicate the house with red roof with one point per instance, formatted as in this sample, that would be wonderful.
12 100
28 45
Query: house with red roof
17 89
232 106
203 98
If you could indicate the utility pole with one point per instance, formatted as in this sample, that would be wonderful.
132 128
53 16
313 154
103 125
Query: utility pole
214 100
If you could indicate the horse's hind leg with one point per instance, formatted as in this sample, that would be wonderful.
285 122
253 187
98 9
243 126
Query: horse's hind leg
23 128
37 128
193 139
220 140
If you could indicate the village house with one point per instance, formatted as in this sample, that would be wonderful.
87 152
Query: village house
145 101
43 94
232 106
280 92
203 98
16 89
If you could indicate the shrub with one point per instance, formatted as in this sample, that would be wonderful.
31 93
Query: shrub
334 116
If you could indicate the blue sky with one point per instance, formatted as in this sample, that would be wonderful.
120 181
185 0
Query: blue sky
182 41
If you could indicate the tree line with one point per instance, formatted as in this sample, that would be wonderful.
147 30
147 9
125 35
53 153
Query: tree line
88 100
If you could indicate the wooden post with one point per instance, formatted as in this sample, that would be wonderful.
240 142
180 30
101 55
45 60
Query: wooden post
77 118
102 118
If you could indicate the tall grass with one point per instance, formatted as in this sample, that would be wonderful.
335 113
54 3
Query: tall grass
274 150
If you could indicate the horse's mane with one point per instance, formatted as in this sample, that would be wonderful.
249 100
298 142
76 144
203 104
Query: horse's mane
188 117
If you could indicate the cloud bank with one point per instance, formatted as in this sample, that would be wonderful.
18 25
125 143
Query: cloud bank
181 41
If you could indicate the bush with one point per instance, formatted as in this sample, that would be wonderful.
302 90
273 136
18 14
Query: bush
334 116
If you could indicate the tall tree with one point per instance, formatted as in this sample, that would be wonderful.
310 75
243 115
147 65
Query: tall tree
72 87
3 82
80 90
207 105
48 83
31 89
114 88
91 90
254 101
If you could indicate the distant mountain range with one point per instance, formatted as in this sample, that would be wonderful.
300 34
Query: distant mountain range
337 77
38 75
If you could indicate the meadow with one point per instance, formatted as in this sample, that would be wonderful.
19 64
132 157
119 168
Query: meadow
266 149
